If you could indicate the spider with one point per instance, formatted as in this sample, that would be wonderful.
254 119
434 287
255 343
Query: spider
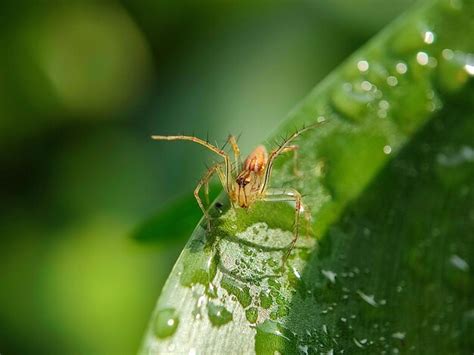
247 182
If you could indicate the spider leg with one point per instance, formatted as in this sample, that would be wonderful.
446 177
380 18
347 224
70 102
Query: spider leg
205 182
289 194
276 152
223 154
235 148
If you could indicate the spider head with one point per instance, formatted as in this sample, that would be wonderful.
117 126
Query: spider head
243 180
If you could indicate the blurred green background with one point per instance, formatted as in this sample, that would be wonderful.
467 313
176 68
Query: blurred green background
83 84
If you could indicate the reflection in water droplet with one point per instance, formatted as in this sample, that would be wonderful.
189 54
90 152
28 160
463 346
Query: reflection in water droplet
166 323
459 263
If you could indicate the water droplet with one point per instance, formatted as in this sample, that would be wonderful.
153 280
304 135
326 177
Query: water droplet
447 54
200 265
459 263
399 335
303 349
252 315
218 315
453 159
265 300
422 58
401 68
428 37
358 343
295 273
366 85
392 80
370 299
330 275
362 65
241 292
387 149
166 323
469 68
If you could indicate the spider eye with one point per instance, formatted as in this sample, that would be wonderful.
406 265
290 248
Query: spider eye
242 181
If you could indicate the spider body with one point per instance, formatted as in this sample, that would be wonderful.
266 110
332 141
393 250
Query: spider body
247 182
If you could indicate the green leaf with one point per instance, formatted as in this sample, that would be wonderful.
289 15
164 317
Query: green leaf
389 180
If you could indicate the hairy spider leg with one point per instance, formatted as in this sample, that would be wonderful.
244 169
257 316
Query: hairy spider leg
281 149
205 182
223 154
235 148
288 194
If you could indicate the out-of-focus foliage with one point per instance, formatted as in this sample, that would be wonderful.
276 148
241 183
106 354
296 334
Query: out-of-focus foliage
82 86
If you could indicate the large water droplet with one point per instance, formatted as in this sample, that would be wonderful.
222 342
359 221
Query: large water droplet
200 265
166 323
252 314
218 315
